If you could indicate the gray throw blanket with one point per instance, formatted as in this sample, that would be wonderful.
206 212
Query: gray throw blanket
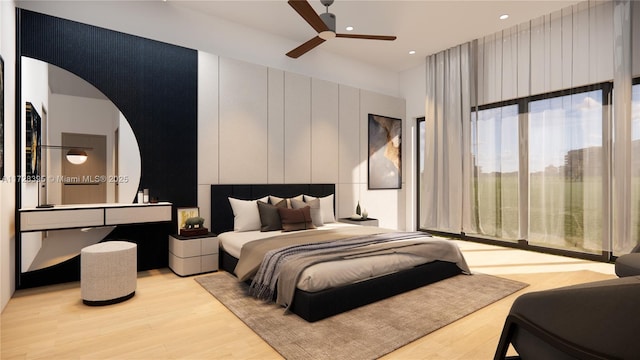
253 252
281 268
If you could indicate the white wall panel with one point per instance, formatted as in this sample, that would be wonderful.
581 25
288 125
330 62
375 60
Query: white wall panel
7 190
349 135
276 127
349 195
204 203
384 205
324 132
297 128
207 118
243 122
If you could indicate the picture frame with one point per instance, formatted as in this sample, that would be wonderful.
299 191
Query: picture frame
384 152
33 145
184 213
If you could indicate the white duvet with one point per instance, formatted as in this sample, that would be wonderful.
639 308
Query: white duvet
328 274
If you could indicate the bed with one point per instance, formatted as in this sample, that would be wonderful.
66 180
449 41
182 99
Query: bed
314 304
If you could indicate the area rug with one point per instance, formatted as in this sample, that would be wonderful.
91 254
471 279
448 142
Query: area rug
367 332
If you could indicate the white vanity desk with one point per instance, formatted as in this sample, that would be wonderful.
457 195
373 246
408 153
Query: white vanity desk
92 215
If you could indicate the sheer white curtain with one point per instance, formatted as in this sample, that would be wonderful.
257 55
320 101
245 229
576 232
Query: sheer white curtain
625 195
447 118
567 175
576 188
563 153
495 150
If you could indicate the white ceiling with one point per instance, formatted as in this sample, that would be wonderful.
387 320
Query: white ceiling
425 26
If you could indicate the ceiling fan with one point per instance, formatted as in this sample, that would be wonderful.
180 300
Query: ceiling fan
325 25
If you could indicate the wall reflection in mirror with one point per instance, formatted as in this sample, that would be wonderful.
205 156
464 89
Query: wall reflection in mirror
75 115
71 113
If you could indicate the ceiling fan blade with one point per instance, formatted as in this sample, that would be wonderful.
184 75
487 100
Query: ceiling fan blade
300 50
306 11
370 37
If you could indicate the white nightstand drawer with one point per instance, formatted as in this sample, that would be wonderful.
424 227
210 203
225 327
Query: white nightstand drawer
193 255
209 263
185 266
209 245
185 248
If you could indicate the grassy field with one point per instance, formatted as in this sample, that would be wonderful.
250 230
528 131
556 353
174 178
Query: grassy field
563 213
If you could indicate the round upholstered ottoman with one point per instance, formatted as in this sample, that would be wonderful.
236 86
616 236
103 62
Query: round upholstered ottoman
108 272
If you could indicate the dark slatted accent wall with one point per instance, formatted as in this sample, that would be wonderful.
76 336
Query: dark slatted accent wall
154 85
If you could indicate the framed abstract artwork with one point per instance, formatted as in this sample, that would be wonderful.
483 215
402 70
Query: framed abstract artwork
385 152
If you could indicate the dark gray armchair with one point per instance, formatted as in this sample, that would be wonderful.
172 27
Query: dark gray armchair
629 264
599 320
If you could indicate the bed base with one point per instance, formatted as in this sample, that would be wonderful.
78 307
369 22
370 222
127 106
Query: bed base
322 304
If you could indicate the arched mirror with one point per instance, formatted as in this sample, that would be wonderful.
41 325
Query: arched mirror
63 113
75 115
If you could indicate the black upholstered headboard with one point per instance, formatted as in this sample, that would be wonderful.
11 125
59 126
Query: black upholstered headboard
222 215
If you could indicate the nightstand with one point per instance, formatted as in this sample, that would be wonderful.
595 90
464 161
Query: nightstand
190 255
365 222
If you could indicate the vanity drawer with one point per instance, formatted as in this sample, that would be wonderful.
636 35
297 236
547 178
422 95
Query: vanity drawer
60 219
137 214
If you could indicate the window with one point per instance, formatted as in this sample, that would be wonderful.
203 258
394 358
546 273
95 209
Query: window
538 168
495 161
566 171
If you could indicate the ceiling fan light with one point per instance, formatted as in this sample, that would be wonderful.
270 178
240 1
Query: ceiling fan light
76 156
326 35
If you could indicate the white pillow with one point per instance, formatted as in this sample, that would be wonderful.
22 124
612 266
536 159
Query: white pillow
326 208
314 205
246 216
276 199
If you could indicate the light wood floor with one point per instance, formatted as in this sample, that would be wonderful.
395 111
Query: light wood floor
174 318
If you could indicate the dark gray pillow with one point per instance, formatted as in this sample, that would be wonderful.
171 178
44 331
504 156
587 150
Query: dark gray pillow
269 216
316 214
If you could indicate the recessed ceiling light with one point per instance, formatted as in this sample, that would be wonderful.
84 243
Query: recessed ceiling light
349 28
504 16
411 52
